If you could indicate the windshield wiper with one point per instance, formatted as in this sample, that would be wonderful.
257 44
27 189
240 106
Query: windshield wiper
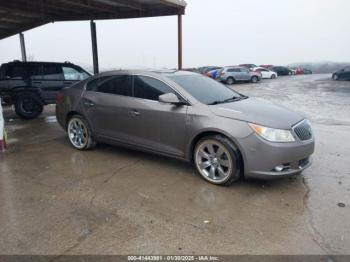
232 99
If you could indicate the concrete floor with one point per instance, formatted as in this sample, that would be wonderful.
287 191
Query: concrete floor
57 200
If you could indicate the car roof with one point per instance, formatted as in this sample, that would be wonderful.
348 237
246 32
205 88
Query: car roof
37 62
226 67
162 72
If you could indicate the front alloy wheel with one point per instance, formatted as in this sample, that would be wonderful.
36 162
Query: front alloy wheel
216 160
335 77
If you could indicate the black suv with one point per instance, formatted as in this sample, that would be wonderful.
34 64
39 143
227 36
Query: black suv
31 85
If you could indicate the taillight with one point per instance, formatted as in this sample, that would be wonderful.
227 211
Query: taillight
59 98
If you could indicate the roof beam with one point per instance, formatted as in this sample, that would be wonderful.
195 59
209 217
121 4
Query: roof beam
121 3
172 3
85 5
123 15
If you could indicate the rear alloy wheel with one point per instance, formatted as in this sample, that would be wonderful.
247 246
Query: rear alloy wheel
28 106
230 81
290 73
79 133
217 160
335 77
254 79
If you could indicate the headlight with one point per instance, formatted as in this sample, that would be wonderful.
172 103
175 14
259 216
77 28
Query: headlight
271 134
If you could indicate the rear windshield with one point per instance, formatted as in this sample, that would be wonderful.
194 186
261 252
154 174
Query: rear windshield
204 89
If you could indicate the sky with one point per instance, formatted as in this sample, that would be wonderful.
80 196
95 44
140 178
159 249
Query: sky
220 32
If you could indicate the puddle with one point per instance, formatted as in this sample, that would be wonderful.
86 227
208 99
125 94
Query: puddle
50 119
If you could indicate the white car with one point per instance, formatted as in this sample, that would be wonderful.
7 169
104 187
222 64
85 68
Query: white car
265 73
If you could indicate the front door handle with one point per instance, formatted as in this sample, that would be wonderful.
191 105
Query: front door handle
134 112
88 103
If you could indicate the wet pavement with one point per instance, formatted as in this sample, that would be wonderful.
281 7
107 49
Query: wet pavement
57 200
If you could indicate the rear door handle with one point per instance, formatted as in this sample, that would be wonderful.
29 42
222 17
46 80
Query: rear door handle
36 82
67 83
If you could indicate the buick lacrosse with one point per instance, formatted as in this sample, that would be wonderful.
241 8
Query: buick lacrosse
190 117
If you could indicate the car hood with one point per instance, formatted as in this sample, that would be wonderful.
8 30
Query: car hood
258 111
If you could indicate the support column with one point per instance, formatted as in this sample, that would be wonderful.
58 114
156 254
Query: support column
179 39
94 46
23 47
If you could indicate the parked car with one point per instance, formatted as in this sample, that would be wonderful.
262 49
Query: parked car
281 70
267 66
31 85
190 117
307 71
265 73
249 66
294 71
213 73
343 74
230 75
206 69
297 70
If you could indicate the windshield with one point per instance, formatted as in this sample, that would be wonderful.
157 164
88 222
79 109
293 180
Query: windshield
205 89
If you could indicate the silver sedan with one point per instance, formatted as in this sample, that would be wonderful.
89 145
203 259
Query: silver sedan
190 117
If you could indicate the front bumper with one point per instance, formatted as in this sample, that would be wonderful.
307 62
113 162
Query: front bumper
261 157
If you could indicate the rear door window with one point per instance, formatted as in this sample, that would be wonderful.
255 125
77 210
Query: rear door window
233 70
36 71
150 88
52 72
116 85
17 71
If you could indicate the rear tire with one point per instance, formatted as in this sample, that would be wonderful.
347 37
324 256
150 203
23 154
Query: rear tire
79 133
28 106
335 77
230 81
273 76
217 160
254 79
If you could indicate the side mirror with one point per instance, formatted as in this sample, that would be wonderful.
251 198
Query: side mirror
170 98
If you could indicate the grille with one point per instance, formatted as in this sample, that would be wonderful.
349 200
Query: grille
303 131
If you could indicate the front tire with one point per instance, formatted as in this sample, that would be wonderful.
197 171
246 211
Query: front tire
217 160
28 106
230 81
79 133
335 77
273 76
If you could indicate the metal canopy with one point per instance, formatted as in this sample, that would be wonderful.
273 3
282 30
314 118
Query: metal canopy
17 16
